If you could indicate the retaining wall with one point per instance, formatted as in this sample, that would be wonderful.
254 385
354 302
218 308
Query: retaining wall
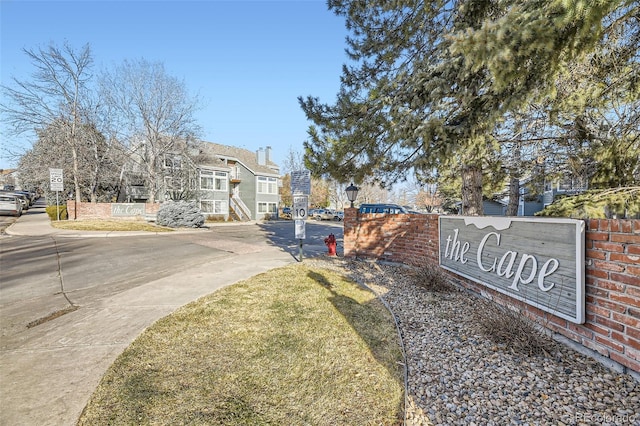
612 275
103 210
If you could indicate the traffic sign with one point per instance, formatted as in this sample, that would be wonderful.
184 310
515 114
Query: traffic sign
56 179
301 182
300 207
300 232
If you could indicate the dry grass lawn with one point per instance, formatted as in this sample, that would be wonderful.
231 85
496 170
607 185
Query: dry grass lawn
295 346
108 225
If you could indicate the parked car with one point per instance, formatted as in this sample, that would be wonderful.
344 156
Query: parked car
21 197
382 208
324 214
338 216
10 205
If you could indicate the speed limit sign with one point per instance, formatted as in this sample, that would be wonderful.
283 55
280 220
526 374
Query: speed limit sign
55 177
300 207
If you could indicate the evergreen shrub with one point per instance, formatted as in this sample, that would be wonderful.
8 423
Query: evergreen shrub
52 212
180 214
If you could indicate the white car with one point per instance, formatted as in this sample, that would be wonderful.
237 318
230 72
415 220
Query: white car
324 214
10 205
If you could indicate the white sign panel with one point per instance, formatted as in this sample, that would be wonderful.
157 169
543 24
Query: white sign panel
300 207
56 179
538 261
300 229
301 182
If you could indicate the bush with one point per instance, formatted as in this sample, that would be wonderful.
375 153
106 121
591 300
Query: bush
52 212
431 277
512 329
180 214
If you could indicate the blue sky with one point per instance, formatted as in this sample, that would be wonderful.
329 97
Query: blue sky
247 60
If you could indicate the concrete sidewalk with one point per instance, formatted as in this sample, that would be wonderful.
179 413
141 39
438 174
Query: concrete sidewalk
50 377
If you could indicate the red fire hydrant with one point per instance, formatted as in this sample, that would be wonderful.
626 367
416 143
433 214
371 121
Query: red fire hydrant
330 241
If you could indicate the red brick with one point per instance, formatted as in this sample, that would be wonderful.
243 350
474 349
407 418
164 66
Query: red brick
633 354
610 324
597 329
596 347
625 299
598 310
625 238
597 236
610 344
633 333
626 279
608 304
626 319
595 254
627 362
624 258
633 270
596 291
633 291
585 331
625 340
557 320
626 226
611 286
568 333
598 273
592 224
613 247
608 266
633 249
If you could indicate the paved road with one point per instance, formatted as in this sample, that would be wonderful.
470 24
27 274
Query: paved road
120 286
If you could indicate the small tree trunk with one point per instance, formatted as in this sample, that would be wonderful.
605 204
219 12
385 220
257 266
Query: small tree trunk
514 196
472 190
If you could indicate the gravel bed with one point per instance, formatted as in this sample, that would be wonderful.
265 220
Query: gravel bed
457 375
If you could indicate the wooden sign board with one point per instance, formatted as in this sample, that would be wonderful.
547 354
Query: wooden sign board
535 260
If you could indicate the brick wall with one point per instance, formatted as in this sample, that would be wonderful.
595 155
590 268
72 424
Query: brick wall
612 275
100 210
406 238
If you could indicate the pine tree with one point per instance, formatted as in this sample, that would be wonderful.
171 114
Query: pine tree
431 82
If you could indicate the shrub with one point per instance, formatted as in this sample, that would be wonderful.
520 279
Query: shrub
431 277
180 214
52 212
511 328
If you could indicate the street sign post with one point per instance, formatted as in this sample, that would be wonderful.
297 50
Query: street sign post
300 207
300 189
56 180
301 182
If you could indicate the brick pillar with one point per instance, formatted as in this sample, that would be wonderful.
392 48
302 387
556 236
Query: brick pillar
351 223
71 209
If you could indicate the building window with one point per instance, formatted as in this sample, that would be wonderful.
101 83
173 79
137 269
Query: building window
206 179
271 208
213 181
267 185
221 180
214 207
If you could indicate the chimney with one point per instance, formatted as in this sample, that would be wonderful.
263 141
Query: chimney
260 154
268 155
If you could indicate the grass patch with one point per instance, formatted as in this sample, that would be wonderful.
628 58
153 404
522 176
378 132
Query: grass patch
298 345
109 225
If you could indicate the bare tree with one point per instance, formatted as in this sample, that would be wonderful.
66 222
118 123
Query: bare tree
57 93
156 117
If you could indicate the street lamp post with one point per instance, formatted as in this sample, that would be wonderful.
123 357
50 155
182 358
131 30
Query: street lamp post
352 193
